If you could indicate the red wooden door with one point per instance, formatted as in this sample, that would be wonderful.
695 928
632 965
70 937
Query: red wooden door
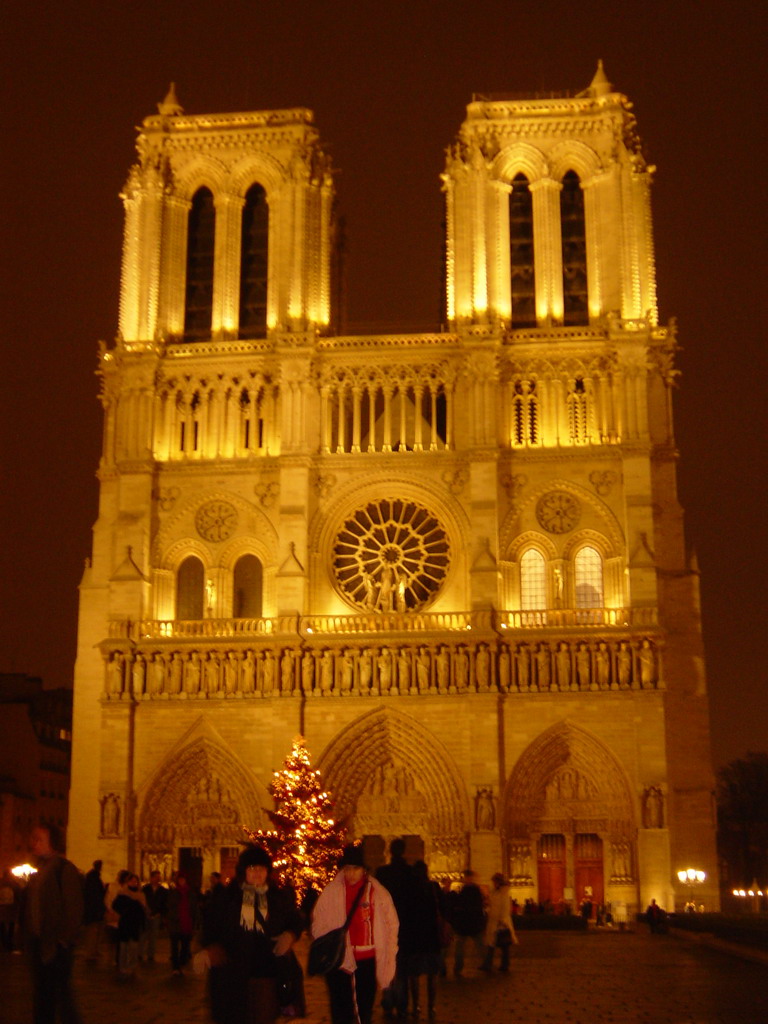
551 869
588 869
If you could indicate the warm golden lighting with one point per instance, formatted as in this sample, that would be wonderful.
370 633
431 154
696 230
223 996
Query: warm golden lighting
23 871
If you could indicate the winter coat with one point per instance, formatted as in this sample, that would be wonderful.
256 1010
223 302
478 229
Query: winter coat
499 914
331 912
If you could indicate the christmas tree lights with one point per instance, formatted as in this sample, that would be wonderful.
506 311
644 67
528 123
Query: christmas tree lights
306 842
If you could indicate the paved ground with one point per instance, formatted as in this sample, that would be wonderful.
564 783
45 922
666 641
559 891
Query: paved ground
570 978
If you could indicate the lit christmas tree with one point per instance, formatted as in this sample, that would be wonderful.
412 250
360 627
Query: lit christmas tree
307 841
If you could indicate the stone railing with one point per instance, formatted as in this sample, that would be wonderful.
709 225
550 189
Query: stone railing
458 662
374 623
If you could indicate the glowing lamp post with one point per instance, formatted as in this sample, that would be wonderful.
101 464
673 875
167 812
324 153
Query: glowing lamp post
23 872
754 893
691 877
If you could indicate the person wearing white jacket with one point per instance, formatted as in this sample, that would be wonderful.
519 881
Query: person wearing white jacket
499 929
371 947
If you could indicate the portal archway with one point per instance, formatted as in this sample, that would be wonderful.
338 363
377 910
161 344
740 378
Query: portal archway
570 820
391 777
194 808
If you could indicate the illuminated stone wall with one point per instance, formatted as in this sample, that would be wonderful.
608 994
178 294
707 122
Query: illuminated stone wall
472 595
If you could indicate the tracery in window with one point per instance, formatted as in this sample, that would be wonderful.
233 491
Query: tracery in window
391 555
247 588
525 414
533 581
574 239
254 263
201 230
521 257
578 411
588 578
190 589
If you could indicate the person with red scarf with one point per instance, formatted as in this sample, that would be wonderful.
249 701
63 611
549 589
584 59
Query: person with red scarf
371 948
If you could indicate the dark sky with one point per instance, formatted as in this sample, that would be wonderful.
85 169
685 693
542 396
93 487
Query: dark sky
388 82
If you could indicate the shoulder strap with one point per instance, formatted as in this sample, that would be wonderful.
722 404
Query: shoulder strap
357 899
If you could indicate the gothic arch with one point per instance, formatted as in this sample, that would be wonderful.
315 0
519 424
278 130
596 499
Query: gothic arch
201 171
522 515
199 796
567 774
448 511
521 158
530 539
252 524
574 155
257 169
380 740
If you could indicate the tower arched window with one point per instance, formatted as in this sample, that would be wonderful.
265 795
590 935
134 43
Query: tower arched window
588 578
521 263
190 589
574 238
247 588
533 581
201 230
253 263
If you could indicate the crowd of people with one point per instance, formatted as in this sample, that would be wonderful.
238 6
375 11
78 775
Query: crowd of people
393 928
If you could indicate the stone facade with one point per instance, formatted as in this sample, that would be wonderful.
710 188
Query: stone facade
454 562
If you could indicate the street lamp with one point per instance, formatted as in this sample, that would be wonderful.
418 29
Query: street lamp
754 893
23 871
691 877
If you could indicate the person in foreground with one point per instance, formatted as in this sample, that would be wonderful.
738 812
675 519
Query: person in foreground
248 926
371 948
53 912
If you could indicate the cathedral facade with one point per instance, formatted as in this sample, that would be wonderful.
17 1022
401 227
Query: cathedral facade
454 562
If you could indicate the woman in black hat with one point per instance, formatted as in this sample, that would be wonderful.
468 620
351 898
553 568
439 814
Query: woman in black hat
248 926
371 938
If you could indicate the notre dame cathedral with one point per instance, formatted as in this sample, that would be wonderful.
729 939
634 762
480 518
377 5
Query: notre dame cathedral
454 562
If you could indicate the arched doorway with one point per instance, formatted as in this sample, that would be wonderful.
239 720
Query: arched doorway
569 820
191 817
393 778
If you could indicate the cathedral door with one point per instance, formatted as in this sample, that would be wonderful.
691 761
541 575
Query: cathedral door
588 869
551 868
191 863
228 861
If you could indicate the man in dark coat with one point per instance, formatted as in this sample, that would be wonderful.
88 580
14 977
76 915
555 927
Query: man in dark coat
468 919
93 914
397 879
52 915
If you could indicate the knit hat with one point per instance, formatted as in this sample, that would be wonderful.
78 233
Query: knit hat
253 856
352 855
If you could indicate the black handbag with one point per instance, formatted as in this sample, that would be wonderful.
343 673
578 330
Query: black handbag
327 951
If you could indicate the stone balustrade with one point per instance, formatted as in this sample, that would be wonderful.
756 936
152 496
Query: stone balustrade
375 623
148 670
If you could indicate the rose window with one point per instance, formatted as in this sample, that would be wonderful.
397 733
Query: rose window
391 556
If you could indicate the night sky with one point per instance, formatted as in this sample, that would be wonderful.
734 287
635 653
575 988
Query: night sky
388 83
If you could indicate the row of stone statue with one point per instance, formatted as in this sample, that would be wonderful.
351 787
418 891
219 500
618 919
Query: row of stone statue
459 668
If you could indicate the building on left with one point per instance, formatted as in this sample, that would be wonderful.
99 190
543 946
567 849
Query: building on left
35 745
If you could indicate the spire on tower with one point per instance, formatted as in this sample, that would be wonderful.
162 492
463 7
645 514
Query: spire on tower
170 107
599 86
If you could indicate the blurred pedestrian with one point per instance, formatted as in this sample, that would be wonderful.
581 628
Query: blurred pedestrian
156 897
468 920
182 918
93 912
420 938
499 929
250 927
52 916
131 908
